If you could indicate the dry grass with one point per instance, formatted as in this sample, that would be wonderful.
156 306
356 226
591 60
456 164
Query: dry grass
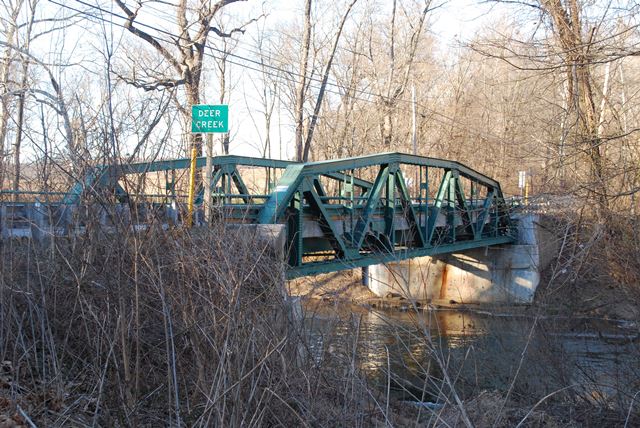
162 328
195 329
597 271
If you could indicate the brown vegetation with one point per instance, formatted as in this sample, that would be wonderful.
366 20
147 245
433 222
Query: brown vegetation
161 328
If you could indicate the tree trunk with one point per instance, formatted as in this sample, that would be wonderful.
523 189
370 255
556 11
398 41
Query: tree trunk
17 146
568 30
4 88
224 138
387 121
323 85
387 127
302 83
4 106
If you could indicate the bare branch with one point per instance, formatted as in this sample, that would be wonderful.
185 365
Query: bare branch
131 16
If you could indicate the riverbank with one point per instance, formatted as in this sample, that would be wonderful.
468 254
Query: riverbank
557 295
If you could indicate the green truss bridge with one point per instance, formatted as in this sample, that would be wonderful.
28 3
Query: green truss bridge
337 214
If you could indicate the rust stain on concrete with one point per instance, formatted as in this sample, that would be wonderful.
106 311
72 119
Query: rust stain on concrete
443 284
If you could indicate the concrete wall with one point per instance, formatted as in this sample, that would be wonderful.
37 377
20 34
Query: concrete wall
501 274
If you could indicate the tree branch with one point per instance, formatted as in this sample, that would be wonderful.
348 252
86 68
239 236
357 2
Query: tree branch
131 16
240 29
160 84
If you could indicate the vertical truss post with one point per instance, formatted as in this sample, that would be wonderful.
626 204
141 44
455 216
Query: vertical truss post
426 235
451 199
463 207
408 211
352 201
390 206
227 187
294 230
495 220
437 206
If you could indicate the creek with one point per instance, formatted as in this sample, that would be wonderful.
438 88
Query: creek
408 352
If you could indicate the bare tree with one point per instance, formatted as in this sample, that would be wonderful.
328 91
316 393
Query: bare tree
576 48
222 66
304 139
568 29
17 145
267 89
5 67
323 84
398 67
302 82
185 54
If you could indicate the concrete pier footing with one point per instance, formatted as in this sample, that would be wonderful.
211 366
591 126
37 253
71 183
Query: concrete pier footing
504 274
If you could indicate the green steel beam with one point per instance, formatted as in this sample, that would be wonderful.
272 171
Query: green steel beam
101 176
379 258
374 197
184 163
390 207
400 158
407 207
282 195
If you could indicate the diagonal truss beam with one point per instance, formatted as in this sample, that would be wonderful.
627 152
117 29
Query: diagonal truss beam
374 193
326 222
407 207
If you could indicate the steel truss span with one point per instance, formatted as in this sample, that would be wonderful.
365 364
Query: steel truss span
337 214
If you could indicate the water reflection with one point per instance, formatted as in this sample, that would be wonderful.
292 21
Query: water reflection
410 352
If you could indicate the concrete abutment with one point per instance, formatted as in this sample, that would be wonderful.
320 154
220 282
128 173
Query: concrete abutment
506 274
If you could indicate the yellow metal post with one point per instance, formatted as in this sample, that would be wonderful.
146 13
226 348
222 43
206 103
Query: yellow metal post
526 192
192 187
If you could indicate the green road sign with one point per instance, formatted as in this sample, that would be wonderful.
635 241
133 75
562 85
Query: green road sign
209 118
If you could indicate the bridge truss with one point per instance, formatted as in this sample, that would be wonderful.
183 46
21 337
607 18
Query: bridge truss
338 214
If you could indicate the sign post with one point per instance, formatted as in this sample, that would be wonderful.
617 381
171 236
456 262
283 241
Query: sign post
523 184
205 119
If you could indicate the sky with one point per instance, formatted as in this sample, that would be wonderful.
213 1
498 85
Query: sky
450 23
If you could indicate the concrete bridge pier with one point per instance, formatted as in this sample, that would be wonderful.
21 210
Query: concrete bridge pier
506 274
